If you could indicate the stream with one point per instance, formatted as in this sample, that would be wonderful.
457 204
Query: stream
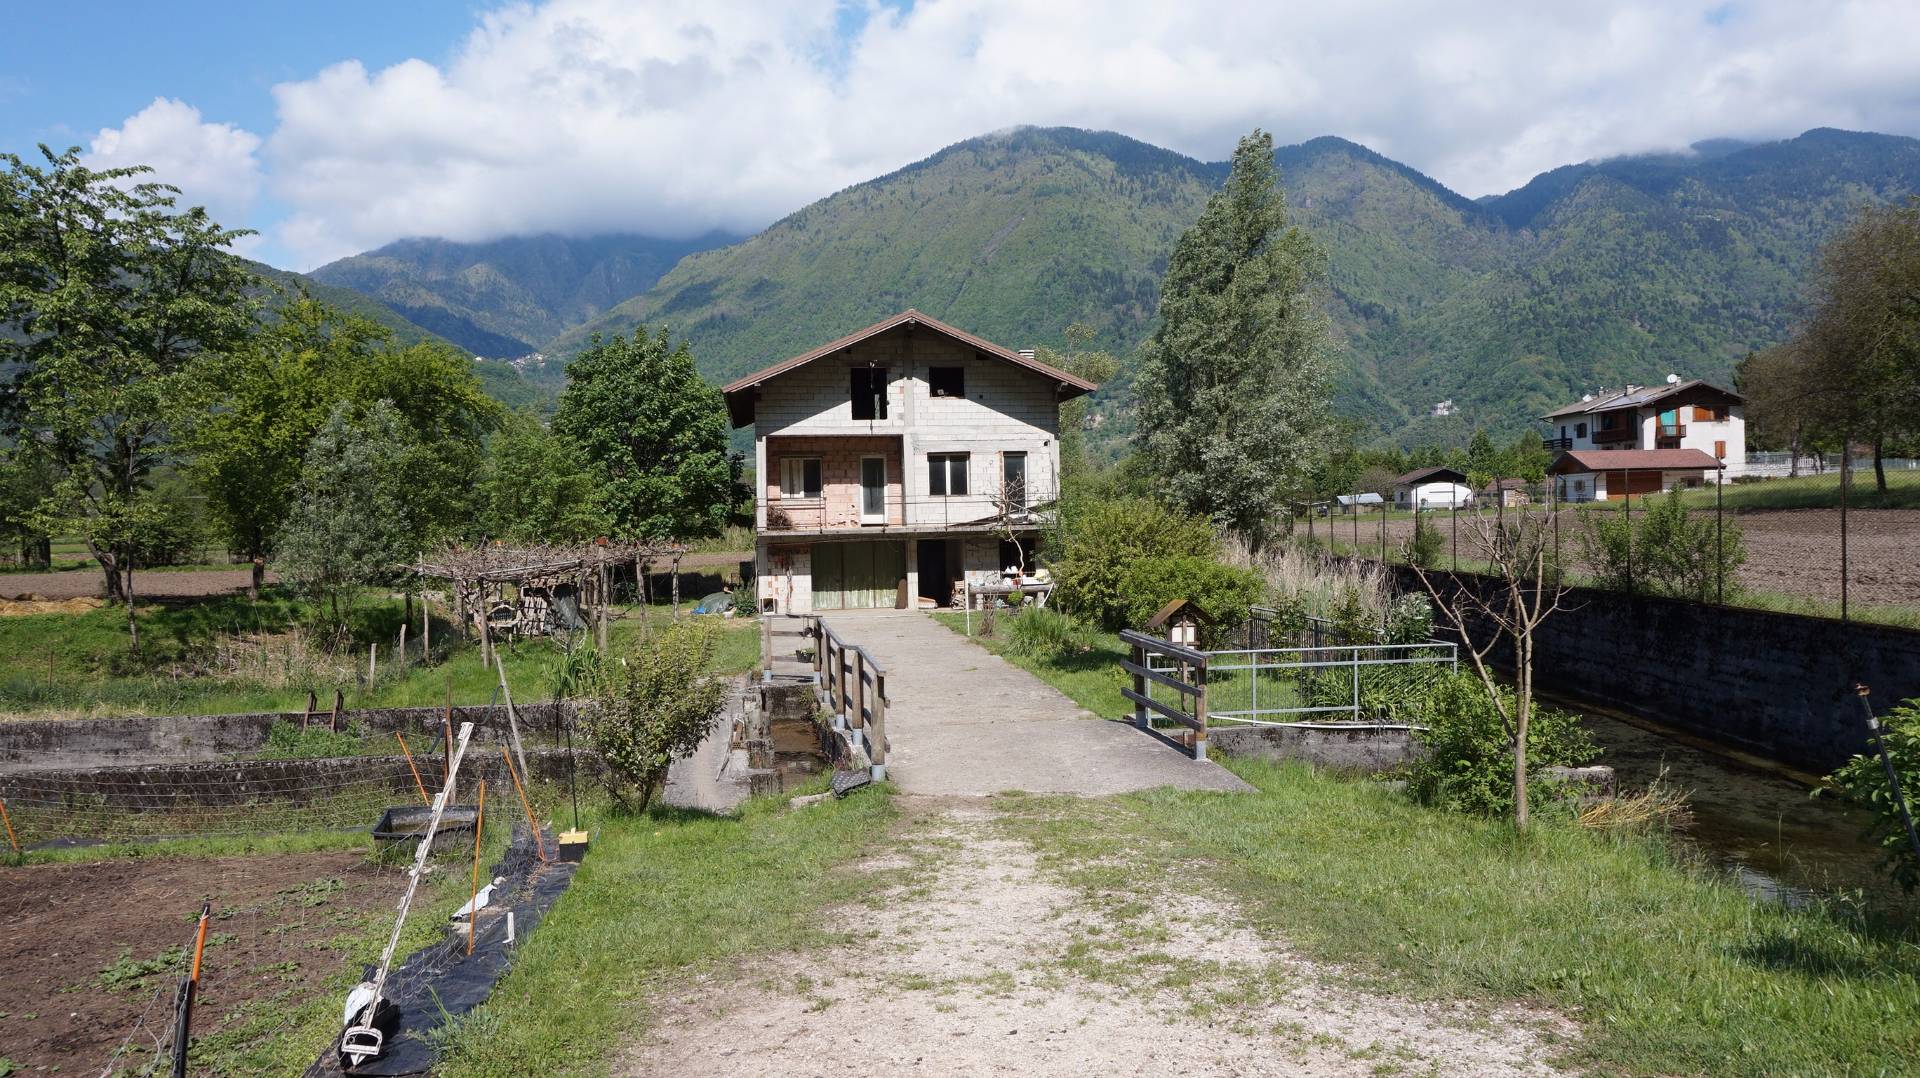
1780 842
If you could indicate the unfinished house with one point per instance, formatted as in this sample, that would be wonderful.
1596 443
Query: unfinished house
897 462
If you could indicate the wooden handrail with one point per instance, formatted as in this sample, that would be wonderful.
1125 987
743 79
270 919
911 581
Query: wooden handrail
1193 664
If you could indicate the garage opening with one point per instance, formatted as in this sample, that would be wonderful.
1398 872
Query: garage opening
860 576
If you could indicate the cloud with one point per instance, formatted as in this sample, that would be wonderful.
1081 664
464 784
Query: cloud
680 116
215 165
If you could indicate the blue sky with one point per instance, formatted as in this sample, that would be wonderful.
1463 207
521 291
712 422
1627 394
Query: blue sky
335 126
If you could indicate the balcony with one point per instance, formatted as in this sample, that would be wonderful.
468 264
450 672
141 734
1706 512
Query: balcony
1557 445
1615 436
921 514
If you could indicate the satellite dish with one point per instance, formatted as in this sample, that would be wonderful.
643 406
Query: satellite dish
1673 379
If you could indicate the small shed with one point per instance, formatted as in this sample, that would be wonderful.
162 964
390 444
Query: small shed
1180 622
1510 493
1432 488
1351 502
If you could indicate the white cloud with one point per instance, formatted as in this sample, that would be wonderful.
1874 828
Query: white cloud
679 116
215 165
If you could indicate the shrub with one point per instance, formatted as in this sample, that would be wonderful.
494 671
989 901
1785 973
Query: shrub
1043 634
1467 764
1223 592
1426 545
1864 779
1665 550
1101 539
652 707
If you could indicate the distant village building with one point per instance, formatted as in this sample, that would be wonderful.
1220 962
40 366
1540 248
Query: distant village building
1643 440
1443 409
1507 492
898 463
1432 488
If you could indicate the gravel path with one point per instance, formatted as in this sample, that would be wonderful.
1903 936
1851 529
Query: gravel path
983 962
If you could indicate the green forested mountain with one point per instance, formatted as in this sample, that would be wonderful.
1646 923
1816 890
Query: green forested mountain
504 298
1592 274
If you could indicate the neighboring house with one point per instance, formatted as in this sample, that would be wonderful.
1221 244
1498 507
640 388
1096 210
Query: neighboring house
1646 439
897 460
1349 503
1509 492
1586 475
1431 488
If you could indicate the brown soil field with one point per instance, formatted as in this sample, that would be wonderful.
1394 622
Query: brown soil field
72 994
87 584
1789 551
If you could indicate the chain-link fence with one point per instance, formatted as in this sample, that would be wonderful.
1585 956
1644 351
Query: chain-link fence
1816 536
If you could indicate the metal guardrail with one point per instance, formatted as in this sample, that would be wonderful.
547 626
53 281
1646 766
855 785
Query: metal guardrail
852 684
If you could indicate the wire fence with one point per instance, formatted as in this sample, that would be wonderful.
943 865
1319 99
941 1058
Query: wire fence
1837 539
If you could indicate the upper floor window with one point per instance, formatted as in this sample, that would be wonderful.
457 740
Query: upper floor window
869 393
946 474
947 381
1707 413
800 477
1579 430
1606 420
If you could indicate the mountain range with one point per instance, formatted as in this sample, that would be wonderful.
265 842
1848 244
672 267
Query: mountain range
1591 274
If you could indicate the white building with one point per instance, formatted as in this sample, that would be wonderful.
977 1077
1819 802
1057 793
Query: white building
1431 488
896 461
1697 430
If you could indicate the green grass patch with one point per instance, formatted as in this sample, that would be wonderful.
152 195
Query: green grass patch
659 893
230 654
1667 965
1093 679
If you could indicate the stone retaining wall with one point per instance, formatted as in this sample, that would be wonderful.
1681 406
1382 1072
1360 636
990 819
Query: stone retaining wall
77 743
1777 685
1367 750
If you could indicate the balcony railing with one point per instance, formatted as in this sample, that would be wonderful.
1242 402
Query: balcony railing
1557 445
1614 436
1671 430
838 514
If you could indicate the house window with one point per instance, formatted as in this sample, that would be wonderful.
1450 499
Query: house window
946 474
1706 413
947 381
1579 486
1013 480
869 393
800 477
1580 430
1606 421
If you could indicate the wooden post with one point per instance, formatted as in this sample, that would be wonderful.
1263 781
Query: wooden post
426 628
1200 708
539 843
473 894
766 644
447 729
339 701
373 662
1140 687
877 729
676 587
513 719
813 632
856 719
400 655
840 705
600 633
312 702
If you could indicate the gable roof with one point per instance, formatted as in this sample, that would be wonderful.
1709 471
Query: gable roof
1639 395
739 392
1430 475
1614 460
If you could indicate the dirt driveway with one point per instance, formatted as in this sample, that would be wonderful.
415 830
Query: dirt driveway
989 961
962 720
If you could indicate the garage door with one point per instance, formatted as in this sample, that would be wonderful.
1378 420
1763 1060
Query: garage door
858 575
1640 483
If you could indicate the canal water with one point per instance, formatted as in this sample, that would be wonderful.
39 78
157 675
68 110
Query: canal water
1779 840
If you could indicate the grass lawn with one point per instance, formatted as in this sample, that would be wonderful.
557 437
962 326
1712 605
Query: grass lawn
657 894
1091 679
78 664
1665 964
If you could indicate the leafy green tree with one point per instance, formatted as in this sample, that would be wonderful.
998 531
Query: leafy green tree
1469 762
1864 779
27 478
656 433
1527 458
263 407
652 707
108 297
1233 393
1483 460
538 487
354 518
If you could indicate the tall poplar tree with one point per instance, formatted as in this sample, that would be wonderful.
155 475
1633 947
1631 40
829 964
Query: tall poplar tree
1233 394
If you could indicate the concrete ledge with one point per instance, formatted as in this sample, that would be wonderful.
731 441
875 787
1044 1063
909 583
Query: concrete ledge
1364 749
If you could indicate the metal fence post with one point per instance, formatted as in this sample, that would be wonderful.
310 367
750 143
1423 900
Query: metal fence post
1356 684
1200 709
1454 512
1627 476
1141 687
1846 481
1719 539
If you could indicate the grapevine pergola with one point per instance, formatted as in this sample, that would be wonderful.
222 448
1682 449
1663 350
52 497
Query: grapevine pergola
479 575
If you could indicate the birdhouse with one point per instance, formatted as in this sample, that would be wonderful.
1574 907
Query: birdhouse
1180 622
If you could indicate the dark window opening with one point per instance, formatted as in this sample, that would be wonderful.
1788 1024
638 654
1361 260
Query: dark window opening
947 381
1580 430
800 477
869 393
946 474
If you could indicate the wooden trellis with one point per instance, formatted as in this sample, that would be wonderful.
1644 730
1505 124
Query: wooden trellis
478 577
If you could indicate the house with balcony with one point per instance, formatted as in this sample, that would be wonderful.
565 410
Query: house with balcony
1646 439
897 463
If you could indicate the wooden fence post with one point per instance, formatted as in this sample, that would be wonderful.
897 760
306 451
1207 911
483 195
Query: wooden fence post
877 731
339 701
840 704
819 645
1200 709
856 720
312 703
1140 687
